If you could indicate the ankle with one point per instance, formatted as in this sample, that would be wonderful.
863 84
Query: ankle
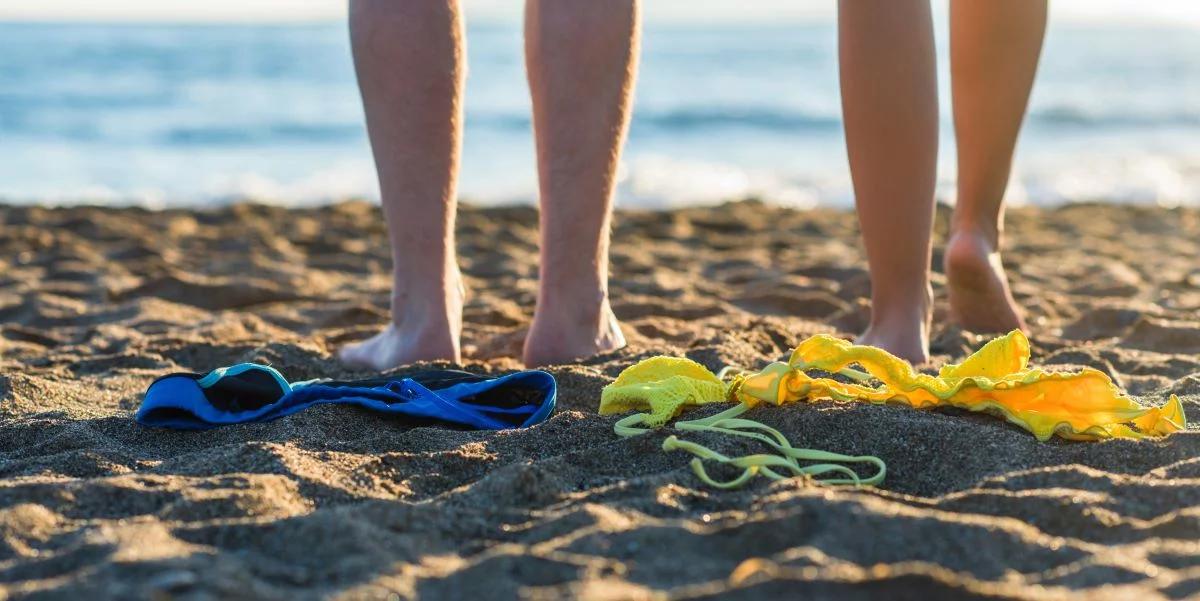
986 231
419 305
914 308
970 256
584 303
568 316
565 330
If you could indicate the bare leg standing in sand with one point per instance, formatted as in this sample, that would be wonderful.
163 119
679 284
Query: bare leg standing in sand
889 100
889 105
994 49
410 60
581 60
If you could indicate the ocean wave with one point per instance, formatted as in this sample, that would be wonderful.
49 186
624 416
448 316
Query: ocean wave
691 119
47 122
647 181
193 115
740 116
1067 115
269 134
85 100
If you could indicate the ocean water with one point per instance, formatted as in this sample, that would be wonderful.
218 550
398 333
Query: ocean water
166 115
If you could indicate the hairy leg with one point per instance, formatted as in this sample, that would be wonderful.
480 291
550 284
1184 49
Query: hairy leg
408 55
994 56
889 102
581 57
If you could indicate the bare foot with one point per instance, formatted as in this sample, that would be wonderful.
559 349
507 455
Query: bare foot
902 330
423 328
980 300
560 336
393 347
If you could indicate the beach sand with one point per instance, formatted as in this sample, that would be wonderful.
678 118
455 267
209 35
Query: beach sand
95 303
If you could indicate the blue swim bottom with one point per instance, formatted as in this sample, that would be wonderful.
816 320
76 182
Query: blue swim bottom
249 392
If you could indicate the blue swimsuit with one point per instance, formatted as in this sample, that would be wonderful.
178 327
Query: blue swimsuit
249 392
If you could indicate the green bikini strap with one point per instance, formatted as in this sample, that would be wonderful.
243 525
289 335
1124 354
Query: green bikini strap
787 458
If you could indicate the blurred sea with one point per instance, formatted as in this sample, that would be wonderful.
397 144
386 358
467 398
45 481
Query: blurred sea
167 115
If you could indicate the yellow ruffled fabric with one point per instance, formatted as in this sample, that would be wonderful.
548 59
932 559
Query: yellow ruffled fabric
1083 405
663 386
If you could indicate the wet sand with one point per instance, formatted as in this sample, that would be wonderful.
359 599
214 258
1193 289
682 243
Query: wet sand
95 303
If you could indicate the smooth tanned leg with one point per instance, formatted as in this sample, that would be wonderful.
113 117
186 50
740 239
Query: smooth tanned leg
994 56
889 102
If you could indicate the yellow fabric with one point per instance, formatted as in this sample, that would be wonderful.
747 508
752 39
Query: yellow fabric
996 379
663 386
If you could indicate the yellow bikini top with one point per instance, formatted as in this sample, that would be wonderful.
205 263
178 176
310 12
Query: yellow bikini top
1083 405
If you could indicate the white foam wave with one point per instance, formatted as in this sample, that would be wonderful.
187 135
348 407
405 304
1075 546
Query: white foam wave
658 182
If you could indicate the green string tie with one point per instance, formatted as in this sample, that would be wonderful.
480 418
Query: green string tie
830 470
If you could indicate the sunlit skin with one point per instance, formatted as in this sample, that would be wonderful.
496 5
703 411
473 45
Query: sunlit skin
889 107
994 50
581 61
889 100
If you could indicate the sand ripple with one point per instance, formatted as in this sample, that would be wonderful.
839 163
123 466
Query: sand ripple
95 303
